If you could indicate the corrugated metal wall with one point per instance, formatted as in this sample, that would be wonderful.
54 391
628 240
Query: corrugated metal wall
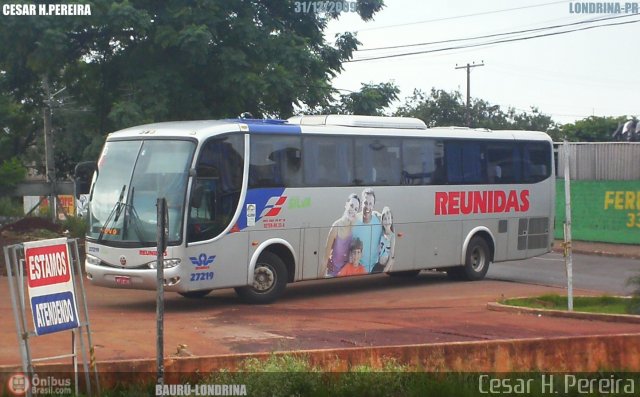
601 161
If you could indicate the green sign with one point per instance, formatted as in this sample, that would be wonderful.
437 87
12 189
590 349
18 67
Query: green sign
606 211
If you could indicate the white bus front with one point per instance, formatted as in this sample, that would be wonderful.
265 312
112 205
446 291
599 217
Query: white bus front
121 238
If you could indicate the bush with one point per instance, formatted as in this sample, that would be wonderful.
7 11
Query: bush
634 303
77 226
10 207
11 173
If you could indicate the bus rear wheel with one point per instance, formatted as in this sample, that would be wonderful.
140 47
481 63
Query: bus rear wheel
476 264
196 294
269 280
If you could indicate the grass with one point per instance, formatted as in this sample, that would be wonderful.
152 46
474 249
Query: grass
589 304
295 375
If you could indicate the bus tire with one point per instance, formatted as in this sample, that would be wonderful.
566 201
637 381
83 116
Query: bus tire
269 280
405 273
196 294
477 260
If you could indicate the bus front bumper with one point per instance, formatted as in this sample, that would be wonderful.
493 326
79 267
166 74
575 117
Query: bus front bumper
145 279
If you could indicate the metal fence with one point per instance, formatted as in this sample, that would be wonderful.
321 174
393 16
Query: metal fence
600 161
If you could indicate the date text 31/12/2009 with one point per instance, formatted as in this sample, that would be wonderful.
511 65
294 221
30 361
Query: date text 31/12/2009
325 6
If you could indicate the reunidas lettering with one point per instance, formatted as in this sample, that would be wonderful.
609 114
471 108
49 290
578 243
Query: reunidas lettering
481 202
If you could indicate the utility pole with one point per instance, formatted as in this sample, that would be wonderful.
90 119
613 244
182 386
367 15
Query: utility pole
50 166
468 67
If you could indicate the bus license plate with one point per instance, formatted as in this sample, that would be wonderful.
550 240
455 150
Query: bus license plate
123 280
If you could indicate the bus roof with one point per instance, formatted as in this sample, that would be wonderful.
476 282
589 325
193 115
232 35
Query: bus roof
320 124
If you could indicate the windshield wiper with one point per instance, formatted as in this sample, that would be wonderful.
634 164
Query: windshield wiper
131 213
116 210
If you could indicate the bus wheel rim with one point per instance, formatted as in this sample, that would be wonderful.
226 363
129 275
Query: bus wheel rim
263 278
477 259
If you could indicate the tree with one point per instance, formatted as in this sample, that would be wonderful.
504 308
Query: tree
138 61
443 108
371 100
11 173
440 108
590 129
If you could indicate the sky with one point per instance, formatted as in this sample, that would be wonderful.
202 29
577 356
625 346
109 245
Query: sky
568 76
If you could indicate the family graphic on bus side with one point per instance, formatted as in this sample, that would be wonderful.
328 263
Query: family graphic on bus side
361 241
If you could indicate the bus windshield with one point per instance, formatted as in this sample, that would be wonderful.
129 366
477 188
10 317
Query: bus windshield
131 176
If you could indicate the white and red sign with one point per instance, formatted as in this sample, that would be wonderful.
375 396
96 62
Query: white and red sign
50 285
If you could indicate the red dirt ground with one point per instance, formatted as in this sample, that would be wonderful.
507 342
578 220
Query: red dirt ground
364 311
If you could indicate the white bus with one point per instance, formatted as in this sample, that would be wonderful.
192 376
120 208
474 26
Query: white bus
257 204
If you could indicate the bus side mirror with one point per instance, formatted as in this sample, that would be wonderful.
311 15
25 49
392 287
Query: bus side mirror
82 177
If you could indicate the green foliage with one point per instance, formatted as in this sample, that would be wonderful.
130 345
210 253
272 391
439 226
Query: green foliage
370 100
76 226
361 380
590 304
16 127
279 375
288 375
441 108
10 206
418 384
633 306
12 172
138 61
591 129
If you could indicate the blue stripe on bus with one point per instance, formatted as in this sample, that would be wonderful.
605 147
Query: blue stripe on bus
274 129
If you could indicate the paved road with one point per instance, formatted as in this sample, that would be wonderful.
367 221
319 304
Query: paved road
592 272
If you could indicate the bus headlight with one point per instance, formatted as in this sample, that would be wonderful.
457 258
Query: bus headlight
168 263
92 260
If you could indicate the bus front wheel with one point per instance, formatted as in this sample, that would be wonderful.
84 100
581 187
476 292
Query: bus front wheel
476 262
269 280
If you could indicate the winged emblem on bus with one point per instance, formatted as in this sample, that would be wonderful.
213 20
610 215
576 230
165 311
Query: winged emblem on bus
202 261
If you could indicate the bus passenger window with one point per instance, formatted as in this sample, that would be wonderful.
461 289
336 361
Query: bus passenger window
465 162
275 161
536 161
377 161
422 162
502 162
327 161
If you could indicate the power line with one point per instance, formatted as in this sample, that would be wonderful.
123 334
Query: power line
491 35
463 16
490 43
